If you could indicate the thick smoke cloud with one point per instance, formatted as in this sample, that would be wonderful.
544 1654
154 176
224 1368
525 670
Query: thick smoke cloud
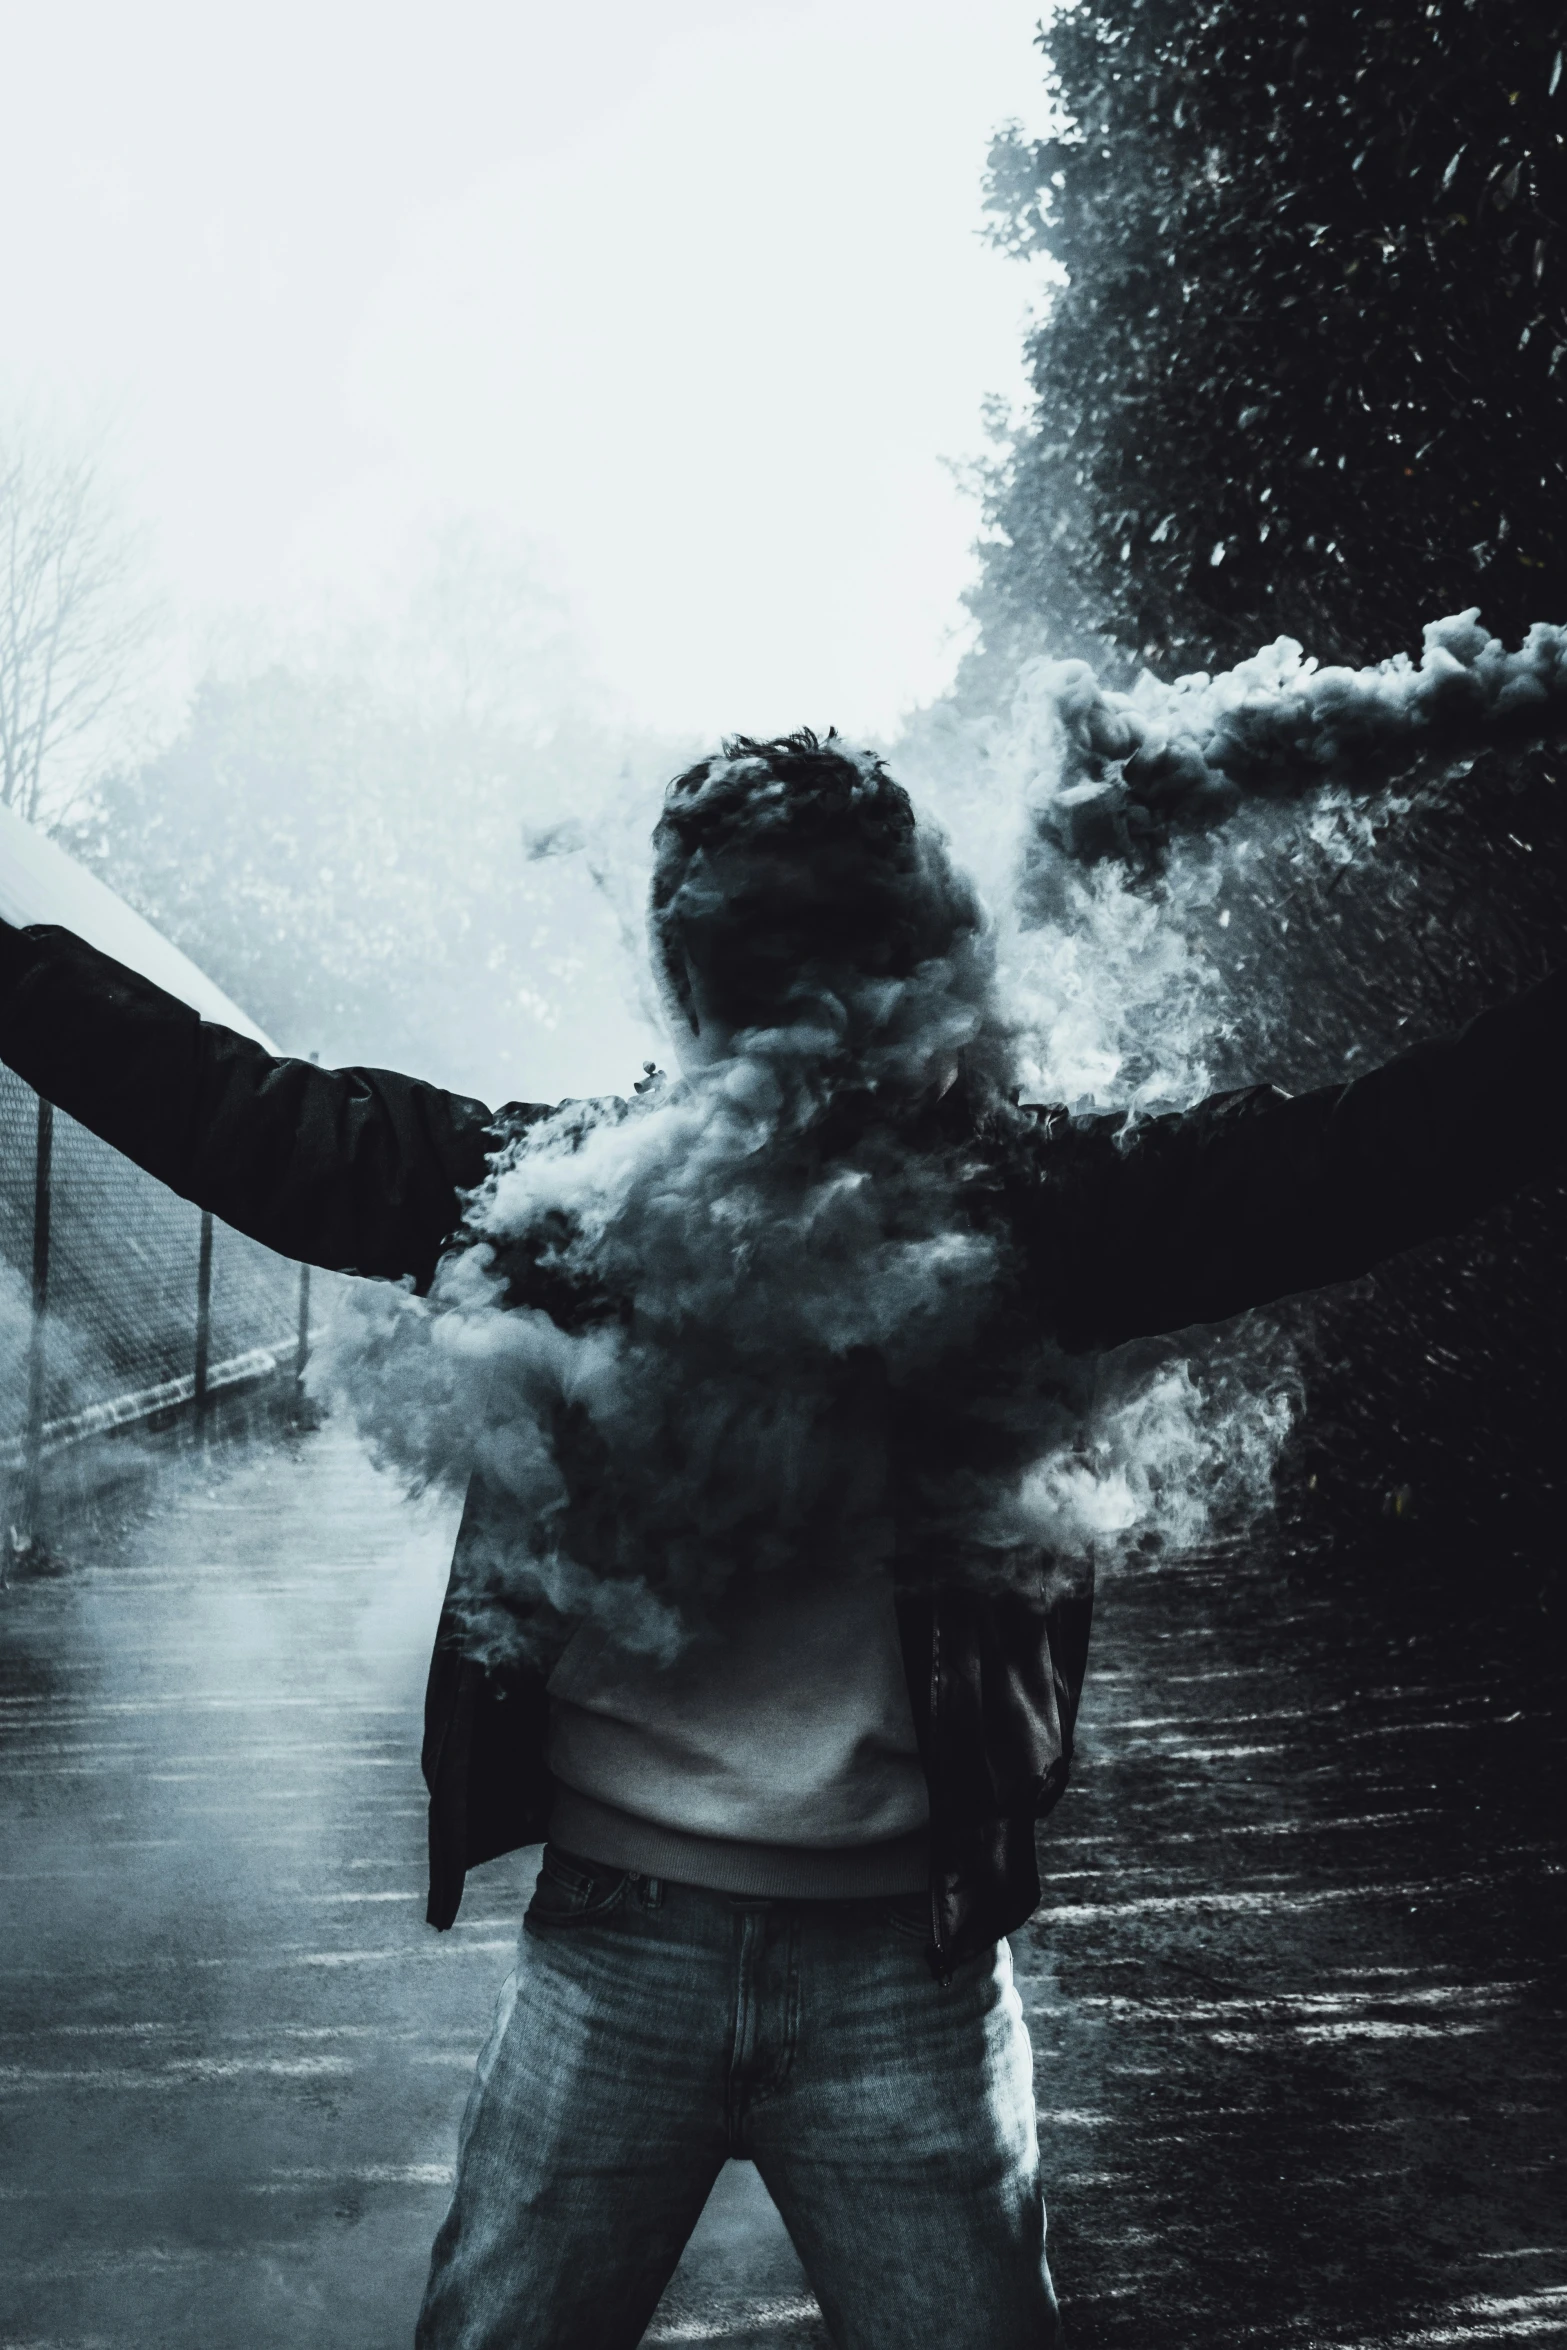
690 1323
725 1291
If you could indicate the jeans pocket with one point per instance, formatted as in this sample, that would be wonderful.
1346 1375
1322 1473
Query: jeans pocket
909 1914
572 1891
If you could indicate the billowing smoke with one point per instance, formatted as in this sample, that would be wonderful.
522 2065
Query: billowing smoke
1134 769
1103 827
772 1309
747 1306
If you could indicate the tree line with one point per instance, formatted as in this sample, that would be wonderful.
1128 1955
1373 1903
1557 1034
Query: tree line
1301 367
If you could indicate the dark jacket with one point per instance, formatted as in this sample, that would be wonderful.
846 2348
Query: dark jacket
1248 1197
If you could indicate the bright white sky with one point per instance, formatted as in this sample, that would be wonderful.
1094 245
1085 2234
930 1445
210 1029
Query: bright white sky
692 294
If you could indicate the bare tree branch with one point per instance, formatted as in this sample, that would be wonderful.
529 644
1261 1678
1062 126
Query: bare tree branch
76 620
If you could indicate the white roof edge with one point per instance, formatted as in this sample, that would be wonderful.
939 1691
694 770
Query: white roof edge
40 882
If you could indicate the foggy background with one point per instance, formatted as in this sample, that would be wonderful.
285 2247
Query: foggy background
502 411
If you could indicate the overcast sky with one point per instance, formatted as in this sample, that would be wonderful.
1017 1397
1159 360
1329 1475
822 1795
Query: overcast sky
693 296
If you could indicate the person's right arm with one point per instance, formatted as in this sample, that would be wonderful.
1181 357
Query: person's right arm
362 1170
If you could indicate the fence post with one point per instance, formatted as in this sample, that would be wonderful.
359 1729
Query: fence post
37 1350
302 1340
302 1335
203 1324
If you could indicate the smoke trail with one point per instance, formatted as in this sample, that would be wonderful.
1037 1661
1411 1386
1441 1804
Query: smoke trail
1133 769
1105 827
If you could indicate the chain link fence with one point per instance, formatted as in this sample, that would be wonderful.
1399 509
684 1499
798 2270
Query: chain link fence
121 1305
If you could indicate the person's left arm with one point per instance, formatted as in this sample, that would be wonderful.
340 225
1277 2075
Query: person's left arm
1252 1196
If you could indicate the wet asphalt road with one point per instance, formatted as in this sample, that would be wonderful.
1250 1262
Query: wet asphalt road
1296 1989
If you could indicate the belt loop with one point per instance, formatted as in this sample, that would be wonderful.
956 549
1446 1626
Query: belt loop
652 1892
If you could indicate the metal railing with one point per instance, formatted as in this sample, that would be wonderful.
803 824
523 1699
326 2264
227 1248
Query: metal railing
122 1303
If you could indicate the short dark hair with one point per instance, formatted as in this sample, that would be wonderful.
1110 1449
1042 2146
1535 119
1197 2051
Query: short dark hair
794 791
893 900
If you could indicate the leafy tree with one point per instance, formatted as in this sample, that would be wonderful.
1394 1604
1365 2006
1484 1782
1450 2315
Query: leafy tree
1303 369
1308 372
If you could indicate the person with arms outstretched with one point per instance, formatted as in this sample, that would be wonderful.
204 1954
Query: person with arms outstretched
781 1860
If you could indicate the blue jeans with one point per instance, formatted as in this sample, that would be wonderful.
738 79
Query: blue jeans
651 2030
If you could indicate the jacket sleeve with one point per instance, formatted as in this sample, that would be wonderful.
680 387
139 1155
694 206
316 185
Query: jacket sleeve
357 1169
1252 1196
